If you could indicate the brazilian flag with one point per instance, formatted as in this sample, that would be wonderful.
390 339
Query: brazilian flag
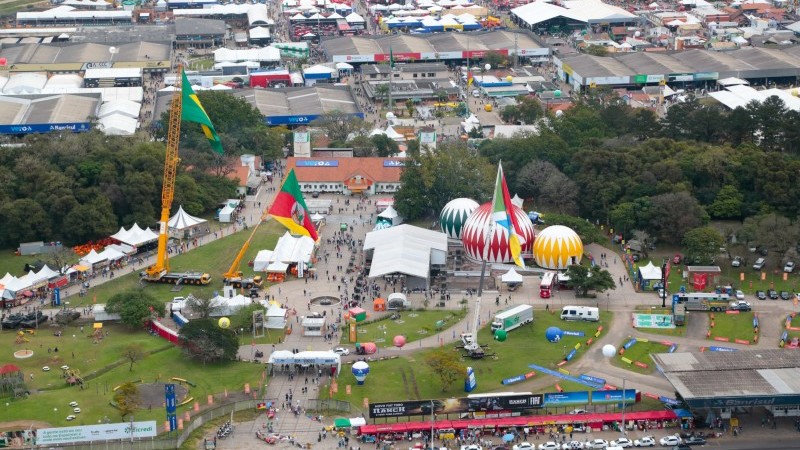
193 112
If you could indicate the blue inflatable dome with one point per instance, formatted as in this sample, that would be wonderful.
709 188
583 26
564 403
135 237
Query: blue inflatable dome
553 334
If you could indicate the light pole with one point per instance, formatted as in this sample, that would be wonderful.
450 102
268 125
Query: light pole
622 430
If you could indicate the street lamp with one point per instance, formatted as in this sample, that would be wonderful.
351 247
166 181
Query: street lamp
664 266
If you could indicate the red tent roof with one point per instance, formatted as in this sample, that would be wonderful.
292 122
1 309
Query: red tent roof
8 368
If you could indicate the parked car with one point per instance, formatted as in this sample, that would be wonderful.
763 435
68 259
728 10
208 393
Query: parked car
789 267
669 441
773 294
645 441
341 351
737 261
578 411
572 445
761 295
694 440
740 305
785 295
596 444
549 445
524 446
621 442
681 447
759 264
739 295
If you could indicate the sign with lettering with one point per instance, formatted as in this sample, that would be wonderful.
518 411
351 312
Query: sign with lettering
317 163
32 128
91 433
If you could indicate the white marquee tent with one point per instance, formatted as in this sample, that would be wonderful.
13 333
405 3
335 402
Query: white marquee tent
135 236
183 224
407 250
391 214
224 306
325 358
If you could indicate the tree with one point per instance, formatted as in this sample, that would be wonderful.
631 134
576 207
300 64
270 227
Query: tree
385 146
431 179
135 307
204 307
61 259
339 126
204 340
447 366
728 204
673 214
596 50
584 279
382 91
133 353
549 187
586 231
495 59
410 107
127 399
703 242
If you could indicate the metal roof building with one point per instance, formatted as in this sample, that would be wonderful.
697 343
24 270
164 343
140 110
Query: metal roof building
728 379
70 57
297 106
641 68
47 113
435 47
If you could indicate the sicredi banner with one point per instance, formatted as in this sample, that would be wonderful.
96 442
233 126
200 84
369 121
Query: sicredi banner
90 433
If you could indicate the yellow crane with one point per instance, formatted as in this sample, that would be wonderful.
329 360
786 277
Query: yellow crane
159 272
234 276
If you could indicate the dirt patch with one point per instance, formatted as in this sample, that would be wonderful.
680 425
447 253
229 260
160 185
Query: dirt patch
151 395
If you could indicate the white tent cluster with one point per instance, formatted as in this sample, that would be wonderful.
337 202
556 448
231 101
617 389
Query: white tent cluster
108 255
135 235
739 95
224 306
264 54
289 250
10 285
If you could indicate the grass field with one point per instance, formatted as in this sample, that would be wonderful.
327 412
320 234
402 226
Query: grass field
50 403
640 351
10 8
214 258
409 378
414 325
733 326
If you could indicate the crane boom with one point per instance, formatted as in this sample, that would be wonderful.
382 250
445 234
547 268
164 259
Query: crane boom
233 272
171 160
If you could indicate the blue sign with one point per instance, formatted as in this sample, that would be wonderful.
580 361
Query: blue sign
564 376
592 379
573 333
629 344
669 401
715 348
470 382
56 297
299 119
393 163
316 163
32 128
566 398
171 405
613 396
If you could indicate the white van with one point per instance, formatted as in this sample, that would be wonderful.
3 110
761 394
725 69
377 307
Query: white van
588 313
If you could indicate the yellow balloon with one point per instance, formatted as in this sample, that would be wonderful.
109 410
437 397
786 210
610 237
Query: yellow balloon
224 322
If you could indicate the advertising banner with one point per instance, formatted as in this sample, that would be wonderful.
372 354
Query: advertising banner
393 163
90 433
613 396
484 404
680 77
317 163
288 120
75 127
701 76
566 398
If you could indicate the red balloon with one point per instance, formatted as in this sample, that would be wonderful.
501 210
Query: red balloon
399 341
3 61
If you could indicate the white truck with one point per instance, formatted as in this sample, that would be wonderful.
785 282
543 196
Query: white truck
587 313
512 318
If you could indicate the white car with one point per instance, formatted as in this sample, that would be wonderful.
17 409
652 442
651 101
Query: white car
572 445
645 441
524 446
789 267
549 445
177 304
578 411
471 447
341 351
670 441
622 442
739 295
596 444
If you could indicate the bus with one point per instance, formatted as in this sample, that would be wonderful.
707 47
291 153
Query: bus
547 285
702 301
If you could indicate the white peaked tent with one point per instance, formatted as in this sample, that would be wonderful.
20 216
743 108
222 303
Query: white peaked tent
517 201
391 214
224 306
316 217
184 224
394 135
7 279
512 276
262 260
276 317
135 236
289 250
650 272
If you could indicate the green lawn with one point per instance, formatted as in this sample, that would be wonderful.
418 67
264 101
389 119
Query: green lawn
13 264
733 326
12 7
50 403
414 325
214 258
640 351
410 378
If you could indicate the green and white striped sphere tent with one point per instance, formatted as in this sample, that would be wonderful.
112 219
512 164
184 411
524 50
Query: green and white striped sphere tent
454 214
557 247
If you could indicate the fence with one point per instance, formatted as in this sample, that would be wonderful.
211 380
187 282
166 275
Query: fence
171 440
327 405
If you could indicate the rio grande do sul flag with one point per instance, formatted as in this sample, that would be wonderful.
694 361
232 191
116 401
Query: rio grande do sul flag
290 210
503 216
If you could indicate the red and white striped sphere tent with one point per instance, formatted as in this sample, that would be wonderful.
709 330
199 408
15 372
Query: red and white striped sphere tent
557 247
494 249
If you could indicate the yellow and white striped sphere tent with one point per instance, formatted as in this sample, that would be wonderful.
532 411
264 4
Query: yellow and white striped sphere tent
557 247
